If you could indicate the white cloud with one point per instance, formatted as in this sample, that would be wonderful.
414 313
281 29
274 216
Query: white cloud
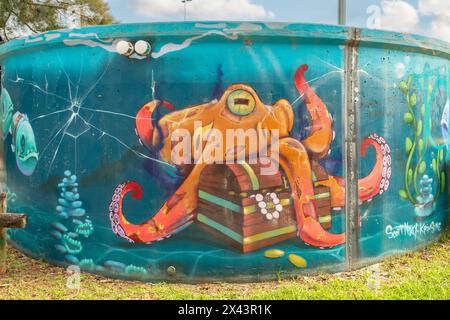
398 16
401 16
434 7
439 10
440 27
202 9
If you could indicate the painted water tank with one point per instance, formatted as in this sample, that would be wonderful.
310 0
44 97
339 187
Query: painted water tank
224 151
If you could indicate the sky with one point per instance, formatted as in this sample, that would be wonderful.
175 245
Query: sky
425 17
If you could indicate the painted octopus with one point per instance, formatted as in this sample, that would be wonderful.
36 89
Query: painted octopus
240 107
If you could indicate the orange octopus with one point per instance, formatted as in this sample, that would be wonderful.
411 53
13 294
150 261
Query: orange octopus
294 158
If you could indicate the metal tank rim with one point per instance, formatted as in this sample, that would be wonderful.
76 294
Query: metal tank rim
314 32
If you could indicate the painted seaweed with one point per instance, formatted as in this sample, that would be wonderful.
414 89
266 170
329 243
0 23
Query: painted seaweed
424 177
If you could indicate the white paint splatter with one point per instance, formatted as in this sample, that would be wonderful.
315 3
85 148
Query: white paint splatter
211 25
83 35
42 37
91 43
110 47
52 36
276 25
171 47
230 33
33 40
243 28
400 70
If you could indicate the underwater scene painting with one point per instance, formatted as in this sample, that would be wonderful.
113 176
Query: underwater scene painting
215 151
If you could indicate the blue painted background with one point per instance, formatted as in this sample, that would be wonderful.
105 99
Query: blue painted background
56 80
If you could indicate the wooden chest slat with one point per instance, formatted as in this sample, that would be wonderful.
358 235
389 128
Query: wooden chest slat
227 206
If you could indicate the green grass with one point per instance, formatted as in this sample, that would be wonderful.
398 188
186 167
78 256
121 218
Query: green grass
418 275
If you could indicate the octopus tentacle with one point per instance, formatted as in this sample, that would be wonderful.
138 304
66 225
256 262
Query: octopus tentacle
176 213
321 135
375 183
146 124
296 164
378 180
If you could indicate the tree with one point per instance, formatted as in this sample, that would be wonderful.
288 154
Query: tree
24 17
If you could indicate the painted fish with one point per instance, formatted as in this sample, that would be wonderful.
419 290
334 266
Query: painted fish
24 144
6 112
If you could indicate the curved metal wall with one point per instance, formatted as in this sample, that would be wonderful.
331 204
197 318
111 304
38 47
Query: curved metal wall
357 108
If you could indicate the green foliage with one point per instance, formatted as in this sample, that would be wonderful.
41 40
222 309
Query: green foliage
403 194
441 155
417 145
408 145
419 128
408 117
413 100
19 18
434 164
403 86
422 167
421 147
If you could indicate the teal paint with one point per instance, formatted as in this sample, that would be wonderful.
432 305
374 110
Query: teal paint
218 201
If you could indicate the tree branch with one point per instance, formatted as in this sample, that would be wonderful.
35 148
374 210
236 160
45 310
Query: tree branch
5 34
11 11
54 14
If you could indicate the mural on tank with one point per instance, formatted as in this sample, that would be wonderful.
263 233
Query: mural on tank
424 183
404 98
234 169
251 210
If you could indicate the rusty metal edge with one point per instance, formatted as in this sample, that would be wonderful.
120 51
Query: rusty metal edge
350 113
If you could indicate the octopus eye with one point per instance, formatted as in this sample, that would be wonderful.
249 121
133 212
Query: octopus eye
241 102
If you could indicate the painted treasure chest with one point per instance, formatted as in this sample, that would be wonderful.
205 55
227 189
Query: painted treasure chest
249 210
